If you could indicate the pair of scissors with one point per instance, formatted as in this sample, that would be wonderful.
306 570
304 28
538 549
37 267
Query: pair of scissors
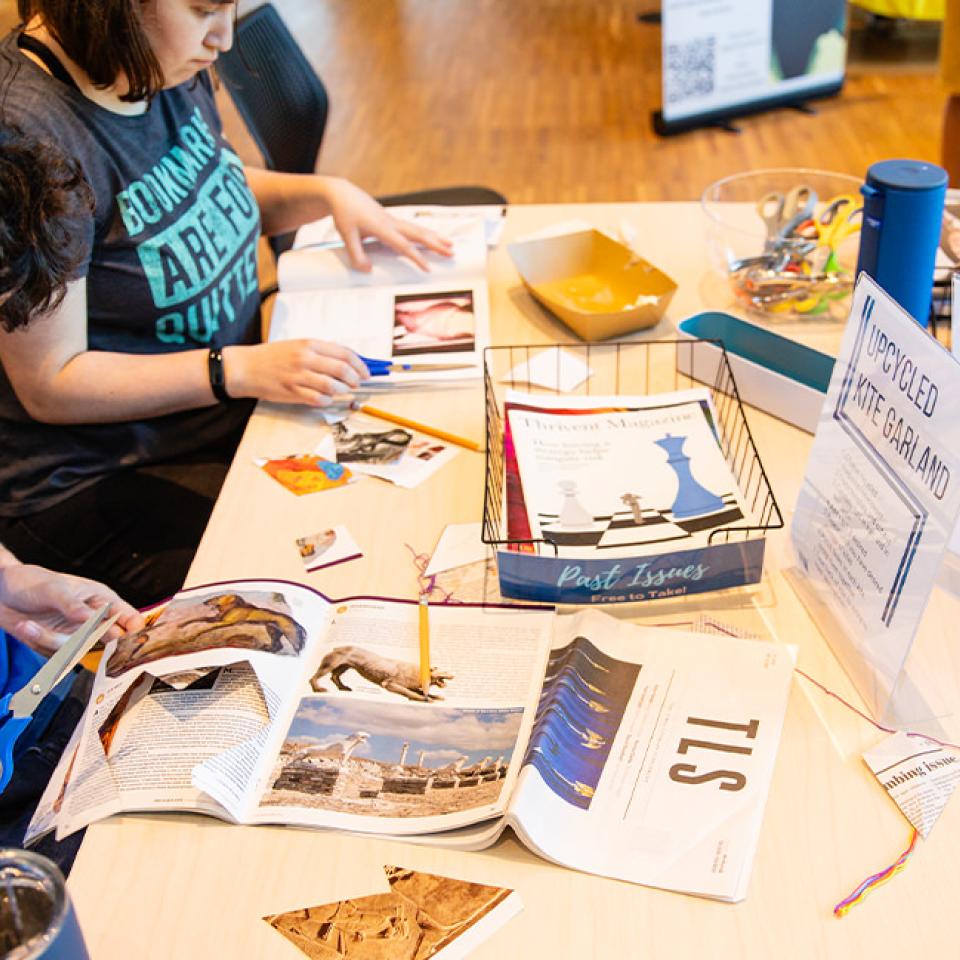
16 709
784 212
841 218
380 368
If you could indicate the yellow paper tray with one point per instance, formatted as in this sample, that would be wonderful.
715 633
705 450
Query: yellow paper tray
595 285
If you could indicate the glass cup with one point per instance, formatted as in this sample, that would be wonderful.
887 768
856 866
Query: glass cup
737 234
36 915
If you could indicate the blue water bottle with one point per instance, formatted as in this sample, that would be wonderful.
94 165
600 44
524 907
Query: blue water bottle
902 214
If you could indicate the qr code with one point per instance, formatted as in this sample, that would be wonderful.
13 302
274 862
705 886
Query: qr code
690 69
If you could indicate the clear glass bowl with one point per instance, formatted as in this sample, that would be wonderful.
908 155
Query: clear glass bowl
736 231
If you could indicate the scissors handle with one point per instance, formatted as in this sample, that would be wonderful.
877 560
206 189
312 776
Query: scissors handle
10 730
770 208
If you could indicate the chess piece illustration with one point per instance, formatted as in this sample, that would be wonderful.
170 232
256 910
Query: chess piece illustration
572 511
633 502
692 500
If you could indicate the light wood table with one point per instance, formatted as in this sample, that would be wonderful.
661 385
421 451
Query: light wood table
181 887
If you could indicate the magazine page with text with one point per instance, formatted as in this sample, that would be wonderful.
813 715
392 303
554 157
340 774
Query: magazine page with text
209 675
652 752
438 322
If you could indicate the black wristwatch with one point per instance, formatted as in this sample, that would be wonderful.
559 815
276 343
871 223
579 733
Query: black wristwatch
215 368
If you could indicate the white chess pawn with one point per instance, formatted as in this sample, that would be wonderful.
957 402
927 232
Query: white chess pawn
572 512
633 502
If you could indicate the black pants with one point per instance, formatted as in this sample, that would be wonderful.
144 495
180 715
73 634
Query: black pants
136 530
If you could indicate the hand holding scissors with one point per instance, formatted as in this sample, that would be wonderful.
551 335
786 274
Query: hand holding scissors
16 709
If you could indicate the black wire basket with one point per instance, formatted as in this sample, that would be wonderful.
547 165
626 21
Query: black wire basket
532 569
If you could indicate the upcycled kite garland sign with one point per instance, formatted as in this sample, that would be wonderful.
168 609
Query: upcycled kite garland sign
880 497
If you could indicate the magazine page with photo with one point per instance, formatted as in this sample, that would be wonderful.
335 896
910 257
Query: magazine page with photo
639 753
433 326
368 750
262 701
210 674
617 476
369 446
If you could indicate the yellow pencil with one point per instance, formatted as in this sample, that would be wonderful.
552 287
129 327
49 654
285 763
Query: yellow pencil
421 427
424 645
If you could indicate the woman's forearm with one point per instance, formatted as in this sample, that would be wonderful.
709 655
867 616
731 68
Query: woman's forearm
101 387
288 200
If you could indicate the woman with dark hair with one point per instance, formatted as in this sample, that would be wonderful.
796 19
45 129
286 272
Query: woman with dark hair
121 408
44 201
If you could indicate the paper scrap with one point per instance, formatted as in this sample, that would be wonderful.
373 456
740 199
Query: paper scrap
919 774
402 456
554 369
459 544
471 583
306 473
423 915
328 547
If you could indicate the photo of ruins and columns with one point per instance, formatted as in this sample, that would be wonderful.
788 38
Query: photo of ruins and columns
393 760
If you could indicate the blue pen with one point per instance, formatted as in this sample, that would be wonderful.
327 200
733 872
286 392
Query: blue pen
381 368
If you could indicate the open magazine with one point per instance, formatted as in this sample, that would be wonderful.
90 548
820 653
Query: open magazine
437 322
638 753
617 476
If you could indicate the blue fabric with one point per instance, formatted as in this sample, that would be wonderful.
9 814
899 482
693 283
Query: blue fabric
18 664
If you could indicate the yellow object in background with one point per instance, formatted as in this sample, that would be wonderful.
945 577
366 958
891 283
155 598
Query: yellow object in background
950 48
908 9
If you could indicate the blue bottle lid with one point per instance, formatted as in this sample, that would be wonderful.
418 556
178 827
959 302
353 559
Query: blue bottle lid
906 175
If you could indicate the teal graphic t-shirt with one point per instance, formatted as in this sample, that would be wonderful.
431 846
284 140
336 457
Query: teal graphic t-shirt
172 266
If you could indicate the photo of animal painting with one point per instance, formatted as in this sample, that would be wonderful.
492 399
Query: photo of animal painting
394 676
393 759
256 620
584 696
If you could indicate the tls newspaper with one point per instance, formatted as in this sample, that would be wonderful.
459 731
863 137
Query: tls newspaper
639 753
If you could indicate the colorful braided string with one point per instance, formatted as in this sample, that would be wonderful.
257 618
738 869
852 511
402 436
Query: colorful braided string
877 880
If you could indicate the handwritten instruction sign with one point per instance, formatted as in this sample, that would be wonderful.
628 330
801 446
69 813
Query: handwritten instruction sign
881 493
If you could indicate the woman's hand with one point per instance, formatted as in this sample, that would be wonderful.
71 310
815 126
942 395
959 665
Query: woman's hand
311 372
40 607
357 215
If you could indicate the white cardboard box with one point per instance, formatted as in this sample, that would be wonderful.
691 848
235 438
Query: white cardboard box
775 374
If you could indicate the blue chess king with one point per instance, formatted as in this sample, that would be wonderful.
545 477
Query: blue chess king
692 500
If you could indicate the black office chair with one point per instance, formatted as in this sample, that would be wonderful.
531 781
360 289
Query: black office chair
285 104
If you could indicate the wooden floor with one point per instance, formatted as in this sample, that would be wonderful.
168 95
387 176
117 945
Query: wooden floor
550 100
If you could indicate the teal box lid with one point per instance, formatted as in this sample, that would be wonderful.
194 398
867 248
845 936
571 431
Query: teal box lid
773 373
779 354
